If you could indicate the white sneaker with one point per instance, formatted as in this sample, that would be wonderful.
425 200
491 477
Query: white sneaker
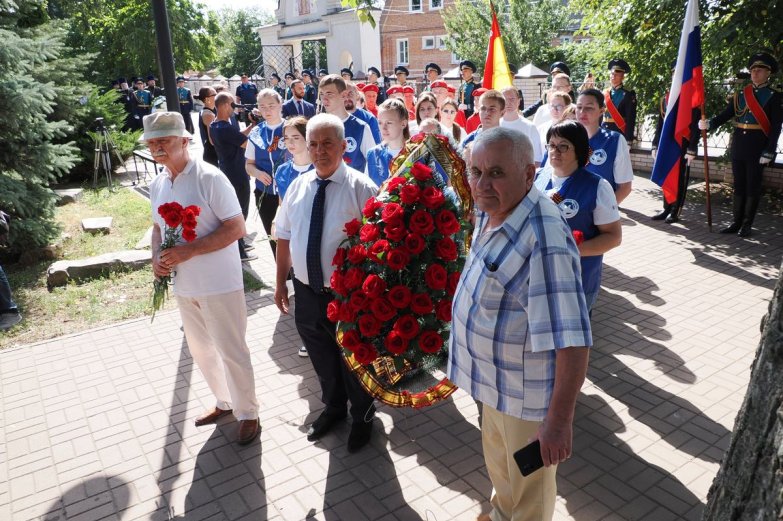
9 320
303 352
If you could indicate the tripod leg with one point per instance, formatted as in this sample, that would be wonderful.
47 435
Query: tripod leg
96 162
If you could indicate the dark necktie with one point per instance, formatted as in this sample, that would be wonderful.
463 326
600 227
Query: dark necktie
299 107
315 274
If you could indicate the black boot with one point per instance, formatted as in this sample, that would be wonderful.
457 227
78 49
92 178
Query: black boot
751 205
739 215
667 209
674 216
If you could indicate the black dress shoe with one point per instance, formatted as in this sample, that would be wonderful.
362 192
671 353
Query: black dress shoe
661 216
744 231
672 218
734 228
323 424
361 432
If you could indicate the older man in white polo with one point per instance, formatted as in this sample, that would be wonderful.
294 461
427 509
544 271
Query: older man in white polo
206 272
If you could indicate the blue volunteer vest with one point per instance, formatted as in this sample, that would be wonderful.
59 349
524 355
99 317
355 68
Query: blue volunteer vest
354 134
371 121
580 194
604 147
270 152
285 175
378 160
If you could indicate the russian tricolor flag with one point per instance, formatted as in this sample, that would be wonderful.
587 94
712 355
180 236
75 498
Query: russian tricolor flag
687 93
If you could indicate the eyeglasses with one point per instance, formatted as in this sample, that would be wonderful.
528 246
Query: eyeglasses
561 148
557 107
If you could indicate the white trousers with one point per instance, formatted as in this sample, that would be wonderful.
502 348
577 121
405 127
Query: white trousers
215 329
515 497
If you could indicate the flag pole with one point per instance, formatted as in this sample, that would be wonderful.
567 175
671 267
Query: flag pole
706 169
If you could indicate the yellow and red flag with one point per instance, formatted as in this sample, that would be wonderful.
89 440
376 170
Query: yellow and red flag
496 72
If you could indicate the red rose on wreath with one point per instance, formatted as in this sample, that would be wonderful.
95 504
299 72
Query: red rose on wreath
421 303
346 313
357 254
421 172
358 301
379 247
382 309
435 277
399 296
369 232
333 310
338 283
370 206
407 327
446 222
421 222
430 342
446 249
373 286
409 193
395 231
395 344
395 182
369 326
339 257
351 339
392 212
432 198
451 285
365 354
443 310
414 243
397 259
353 278
352 227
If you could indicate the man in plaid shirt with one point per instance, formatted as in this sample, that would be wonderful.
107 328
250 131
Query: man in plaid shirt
521 329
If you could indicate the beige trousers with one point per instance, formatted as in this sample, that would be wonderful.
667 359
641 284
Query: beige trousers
215 329
515 497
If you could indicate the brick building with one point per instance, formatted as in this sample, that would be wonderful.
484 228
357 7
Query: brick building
413 34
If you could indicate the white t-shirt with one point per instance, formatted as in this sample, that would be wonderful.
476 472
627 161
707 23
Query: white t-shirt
623 170
345 198
606 210
528 129
205 186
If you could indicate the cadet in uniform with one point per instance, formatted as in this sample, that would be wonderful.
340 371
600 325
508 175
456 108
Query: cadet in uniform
465 93
153 89
431 72
141 103
185 103
401 73
554 69
757 114
620 114
311 90
289 77
275 81
671 211
347 74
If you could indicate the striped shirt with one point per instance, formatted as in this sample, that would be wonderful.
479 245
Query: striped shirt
519 298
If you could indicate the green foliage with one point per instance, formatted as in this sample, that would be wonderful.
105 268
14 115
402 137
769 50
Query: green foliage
646 33
35 128
364 9
526 26
122 34
238 43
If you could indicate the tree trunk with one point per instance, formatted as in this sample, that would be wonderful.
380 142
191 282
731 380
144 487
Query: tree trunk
749 484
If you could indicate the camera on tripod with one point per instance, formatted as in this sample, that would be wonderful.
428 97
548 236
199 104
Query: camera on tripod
104 150
99 125
248 109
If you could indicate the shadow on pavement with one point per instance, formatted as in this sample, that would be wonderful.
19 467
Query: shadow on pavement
92 498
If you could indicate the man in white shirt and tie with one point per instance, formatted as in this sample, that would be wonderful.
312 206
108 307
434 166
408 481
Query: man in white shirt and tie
310 227
297 106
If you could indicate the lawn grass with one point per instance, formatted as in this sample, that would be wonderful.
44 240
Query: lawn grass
121 295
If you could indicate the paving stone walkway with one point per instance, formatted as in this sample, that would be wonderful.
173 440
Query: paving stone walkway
99 425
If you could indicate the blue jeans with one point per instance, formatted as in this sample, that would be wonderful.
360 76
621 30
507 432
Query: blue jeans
7 304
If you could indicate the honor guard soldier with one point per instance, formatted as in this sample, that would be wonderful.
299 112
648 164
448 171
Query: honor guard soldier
554 69
620 114
671 211
152 88
346 73
185 103
402 74
289 77
465 93
757 113
311 90
276 86
126 98
431 72
141 104
374 78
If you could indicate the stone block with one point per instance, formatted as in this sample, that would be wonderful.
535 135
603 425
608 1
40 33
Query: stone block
60 272
68 195
144 242
96 225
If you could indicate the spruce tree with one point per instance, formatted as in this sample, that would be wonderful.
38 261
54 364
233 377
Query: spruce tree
36 148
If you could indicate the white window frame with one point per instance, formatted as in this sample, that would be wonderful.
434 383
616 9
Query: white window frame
440 42
419 10
566 39
432 45
400 57
436 8
455 58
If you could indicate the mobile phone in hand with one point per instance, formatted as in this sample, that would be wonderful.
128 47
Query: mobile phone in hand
528 458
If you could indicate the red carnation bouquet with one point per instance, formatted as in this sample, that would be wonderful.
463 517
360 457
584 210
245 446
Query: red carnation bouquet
395 276
180 223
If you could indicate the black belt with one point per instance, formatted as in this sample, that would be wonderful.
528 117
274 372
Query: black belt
323 291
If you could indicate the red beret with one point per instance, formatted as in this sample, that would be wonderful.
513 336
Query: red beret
360 85
408 89
371 88
452 89
394 89
439 83
478 92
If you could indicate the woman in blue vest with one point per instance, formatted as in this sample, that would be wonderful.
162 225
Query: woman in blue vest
611 156
393 122
587 201
264 154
